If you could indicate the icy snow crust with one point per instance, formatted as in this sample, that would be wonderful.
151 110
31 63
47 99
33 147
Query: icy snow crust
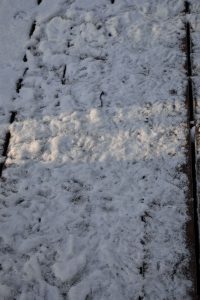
94 197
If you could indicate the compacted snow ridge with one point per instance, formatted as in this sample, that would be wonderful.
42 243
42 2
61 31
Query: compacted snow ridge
94 196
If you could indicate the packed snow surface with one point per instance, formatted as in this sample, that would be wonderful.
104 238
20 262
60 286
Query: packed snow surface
94 197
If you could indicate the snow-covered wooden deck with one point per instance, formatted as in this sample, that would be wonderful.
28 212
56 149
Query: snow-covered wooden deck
99 190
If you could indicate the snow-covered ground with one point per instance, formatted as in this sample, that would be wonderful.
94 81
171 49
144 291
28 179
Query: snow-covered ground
15 20
94 197
195 23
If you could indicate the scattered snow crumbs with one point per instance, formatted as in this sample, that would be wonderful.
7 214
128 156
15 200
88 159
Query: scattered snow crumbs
94 197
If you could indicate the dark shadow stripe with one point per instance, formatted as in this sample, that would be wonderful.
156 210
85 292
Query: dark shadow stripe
33 26
192 152
19 85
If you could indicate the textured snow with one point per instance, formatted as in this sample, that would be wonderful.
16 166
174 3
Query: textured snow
94 196
195 24
14 20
